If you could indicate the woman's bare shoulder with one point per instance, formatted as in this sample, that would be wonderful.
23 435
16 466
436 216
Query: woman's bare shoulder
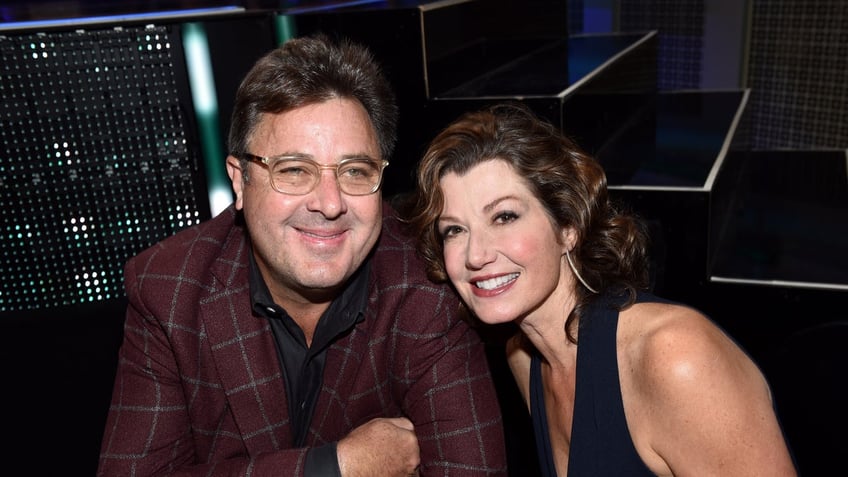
672 345
692 395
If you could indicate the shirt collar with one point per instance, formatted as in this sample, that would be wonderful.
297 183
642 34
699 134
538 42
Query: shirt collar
345 311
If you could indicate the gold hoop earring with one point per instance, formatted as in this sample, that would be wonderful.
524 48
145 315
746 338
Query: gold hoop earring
577 274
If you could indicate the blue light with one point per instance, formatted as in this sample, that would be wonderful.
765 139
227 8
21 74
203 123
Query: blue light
172 14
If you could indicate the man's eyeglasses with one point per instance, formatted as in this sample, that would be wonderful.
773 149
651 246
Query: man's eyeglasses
298 175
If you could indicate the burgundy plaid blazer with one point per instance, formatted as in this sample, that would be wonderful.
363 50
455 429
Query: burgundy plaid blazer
199 388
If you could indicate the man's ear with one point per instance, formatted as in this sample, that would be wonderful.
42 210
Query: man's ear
236 178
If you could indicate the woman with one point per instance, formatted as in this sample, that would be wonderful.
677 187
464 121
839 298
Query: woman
617 381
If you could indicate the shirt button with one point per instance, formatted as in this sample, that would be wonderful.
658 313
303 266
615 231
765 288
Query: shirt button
271 310
303 405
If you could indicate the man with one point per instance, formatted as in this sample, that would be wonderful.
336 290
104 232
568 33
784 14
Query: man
295 333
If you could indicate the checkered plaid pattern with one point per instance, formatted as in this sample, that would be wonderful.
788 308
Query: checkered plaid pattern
199 386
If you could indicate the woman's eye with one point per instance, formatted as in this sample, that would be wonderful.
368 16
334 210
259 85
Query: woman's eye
450 231
505 217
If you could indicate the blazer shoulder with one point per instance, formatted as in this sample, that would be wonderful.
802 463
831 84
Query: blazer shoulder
395 258
194 249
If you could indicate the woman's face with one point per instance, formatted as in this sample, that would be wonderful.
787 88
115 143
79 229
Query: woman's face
502 251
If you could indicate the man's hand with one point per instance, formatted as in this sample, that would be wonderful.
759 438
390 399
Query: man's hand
380 447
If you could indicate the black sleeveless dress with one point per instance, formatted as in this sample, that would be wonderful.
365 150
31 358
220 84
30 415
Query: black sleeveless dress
600 441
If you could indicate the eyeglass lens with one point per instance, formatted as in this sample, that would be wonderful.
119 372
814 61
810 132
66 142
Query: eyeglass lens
300 176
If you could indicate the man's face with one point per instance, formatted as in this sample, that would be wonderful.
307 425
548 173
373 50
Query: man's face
307 246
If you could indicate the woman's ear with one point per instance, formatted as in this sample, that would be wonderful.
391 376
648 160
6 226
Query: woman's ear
568 238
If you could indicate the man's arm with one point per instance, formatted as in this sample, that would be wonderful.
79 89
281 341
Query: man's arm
451 397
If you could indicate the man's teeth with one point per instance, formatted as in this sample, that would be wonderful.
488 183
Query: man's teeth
493 283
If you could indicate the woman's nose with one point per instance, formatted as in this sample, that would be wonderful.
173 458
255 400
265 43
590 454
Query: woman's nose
480 250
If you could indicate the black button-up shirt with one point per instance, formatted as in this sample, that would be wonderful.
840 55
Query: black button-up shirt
303 365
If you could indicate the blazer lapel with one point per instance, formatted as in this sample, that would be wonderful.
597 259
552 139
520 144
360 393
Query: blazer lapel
244 352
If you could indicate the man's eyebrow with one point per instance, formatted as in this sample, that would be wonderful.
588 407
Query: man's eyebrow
361 155
303 155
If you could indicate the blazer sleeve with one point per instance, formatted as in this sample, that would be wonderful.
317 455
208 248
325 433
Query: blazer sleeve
451 397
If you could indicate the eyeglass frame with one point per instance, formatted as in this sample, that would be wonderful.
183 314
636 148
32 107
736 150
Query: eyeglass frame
269 161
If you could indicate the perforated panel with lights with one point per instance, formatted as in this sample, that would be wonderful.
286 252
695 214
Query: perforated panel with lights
798 74
97 160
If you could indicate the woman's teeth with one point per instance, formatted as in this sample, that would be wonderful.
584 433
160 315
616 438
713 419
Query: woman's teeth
496 282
